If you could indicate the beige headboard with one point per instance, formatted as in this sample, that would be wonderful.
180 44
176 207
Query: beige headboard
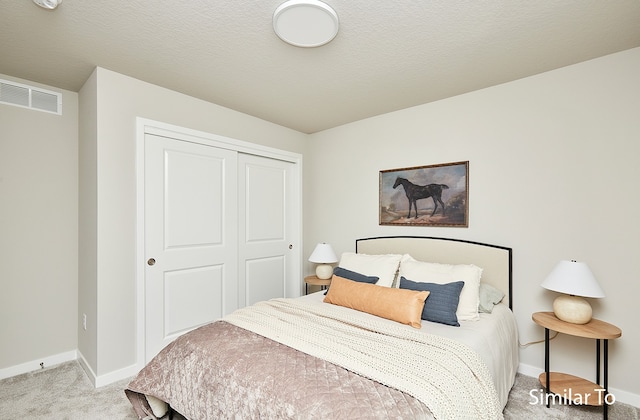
495 261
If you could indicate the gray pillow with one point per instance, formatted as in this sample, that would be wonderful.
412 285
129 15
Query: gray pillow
352 275
489 297
441 304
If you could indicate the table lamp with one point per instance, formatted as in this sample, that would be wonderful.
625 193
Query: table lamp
574 280
323 255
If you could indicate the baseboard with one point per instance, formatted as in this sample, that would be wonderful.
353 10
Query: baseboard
87 368
37 364
529 370
620 395
109 378
115 376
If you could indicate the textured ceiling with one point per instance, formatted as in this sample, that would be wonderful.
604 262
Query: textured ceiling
387 55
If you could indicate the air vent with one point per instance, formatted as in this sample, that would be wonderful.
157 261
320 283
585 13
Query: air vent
17 94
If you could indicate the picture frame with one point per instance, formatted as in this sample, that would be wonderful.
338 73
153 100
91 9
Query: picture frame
430 195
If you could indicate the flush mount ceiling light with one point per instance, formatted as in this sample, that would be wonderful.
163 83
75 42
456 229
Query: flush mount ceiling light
305 23
48 4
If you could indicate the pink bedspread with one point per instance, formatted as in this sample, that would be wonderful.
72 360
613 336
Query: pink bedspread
222 371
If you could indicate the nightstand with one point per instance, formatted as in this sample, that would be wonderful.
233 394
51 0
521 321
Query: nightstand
315 281
579 390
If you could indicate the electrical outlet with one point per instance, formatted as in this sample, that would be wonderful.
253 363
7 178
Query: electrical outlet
84 322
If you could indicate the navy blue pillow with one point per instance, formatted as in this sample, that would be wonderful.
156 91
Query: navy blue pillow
352 275
441 304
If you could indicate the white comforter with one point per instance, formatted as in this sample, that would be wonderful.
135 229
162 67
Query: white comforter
494 337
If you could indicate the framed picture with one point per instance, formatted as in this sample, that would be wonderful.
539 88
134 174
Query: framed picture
433 195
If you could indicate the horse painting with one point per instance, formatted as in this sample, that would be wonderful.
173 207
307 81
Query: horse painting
416 192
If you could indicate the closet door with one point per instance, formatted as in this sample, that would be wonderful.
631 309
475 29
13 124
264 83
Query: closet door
191 248
268 257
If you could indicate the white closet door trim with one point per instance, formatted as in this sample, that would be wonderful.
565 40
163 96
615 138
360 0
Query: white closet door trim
186 134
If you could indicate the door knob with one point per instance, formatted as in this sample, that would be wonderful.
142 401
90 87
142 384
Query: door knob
290 246
151 261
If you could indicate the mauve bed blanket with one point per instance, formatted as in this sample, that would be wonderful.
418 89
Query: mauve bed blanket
221 371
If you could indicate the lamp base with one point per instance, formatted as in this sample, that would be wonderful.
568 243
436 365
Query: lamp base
572 309
324 271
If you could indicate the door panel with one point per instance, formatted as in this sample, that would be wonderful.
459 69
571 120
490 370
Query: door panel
264 278
265 210
192 297
193 187
265 205
191 234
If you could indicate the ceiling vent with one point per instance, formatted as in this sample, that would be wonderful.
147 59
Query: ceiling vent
17 94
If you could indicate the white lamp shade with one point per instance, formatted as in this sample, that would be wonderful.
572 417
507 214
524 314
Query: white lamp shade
323 254
573 278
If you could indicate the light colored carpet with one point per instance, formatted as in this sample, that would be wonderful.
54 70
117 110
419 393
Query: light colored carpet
522 405
64 392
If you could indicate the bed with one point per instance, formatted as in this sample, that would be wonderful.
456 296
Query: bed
373 346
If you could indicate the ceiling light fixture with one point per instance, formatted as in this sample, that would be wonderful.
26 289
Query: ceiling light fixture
305 23
48 4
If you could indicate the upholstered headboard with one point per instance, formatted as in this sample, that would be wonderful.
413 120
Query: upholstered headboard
495 260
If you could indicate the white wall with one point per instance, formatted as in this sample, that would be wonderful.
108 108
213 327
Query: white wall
110 227
38 234
553 174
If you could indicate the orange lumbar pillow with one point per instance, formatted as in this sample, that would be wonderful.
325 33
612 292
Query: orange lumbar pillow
400 305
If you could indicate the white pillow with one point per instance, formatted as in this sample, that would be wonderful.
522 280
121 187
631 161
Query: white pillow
383 266
426 272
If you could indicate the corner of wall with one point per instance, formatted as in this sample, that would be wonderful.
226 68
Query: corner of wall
87 223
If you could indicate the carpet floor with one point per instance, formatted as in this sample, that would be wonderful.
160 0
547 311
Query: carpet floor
64 392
